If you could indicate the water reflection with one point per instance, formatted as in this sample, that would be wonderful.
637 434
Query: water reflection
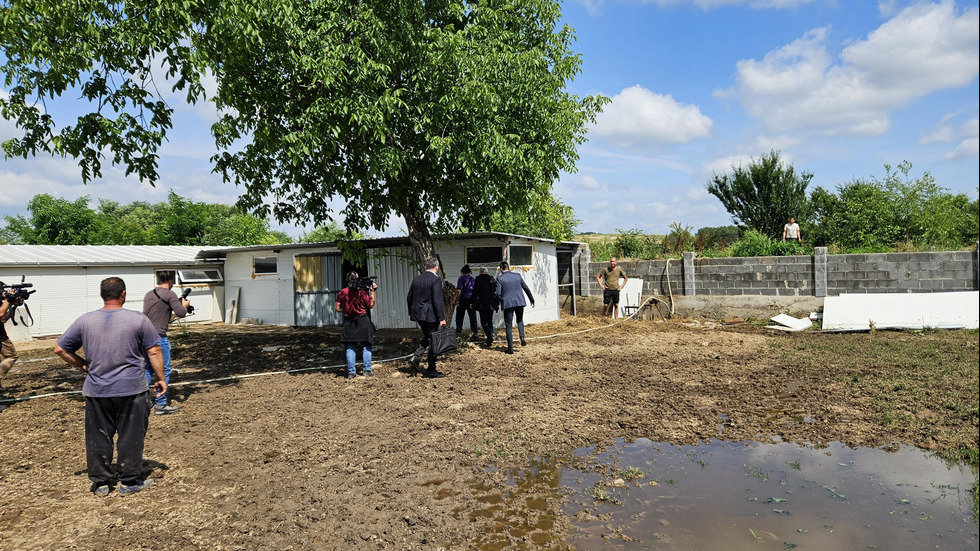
729 496
734 496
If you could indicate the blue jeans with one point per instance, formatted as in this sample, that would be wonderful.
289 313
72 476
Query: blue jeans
164 344
509 314
352 357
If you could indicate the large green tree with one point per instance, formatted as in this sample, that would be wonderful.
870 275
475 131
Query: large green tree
431 110
53 221
764 195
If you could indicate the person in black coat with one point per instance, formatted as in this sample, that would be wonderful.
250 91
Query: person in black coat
511 290
426 307
485 302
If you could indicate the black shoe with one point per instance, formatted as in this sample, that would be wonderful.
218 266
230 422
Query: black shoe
416 361
510 351
351 376
433 374
523 342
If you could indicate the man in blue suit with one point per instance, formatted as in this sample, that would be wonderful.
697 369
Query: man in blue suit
426 307
511 290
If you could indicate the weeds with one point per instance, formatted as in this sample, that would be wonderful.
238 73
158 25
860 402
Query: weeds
631 474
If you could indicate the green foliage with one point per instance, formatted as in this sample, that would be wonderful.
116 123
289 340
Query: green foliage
327 233
548 218
679 240
764 195
709 239
56 221
434 111
601 251
754 243
874 215
629 243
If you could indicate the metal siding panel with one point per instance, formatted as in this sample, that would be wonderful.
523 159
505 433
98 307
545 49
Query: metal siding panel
395 270
59 298
313 307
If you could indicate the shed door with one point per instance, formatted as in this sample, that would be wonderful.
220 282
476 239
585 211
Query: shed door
317 280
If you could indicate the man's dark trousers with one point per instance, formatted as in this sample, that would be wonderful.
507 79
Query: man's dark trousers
427 328
126 417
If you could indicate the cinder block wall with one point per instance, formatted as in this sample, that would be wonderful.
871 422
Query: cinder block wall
787 276
901 272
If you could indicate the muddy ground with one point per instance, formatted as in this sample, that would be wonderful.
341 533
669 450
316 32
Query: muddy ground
309 460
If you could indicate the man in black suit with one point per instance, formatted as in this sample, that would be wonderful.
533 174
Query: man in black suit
425 306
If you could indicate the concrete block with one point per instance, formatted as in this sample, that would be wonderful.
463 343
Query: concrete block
688 261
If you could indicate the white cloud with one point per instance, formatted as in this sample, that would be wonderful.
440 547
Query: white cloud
725 164
599 205
626 208
587 183
968 149
639 118
947 130
925 48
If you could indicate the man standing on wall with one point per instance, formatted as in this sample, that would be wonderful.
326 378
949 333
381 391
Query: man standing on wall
426 307
608 279
8 354
160 304
116 399
792 231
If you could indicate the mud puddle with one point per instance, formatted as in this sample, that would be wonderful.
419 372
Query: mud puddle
733 496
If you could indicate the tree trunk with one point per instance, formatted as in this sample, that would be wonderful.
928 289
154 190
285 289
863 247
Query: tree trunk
423 248
418 232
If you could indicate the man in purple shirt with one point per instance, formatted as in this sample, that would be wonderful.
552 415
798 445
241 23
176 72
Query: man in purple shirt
117 401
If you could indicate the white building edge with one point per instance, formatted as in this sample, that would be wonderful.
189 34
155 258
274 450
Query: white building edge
288 284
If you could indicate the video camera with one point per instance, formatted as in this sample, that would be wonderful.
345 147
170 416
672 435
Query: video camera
183 296
364 283
15 295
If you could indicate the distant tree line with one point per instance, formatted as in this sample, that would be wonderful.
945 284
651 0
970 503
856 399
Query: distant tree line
896 212
178 221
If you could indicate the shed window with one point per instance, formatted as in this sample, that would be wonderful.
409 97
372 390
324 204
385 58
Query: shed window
484 255
521 255
200 275
265 265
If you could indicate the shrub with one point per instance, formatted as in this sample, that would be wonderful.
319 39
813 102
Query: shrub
753 243
629 243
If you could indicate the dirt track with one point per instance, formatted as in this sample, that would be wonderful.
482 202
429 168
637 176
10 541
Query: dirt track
309 460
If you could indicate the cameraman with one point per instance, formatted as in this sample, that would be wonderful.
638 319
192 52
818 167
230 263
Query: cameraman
160 304
355 302
8 354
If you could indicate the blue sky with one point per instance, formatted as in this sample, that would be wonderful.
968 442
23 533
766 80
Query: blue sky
840 88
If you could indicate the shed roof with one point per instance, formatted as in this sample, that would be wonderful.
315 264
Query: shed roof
379 242
98 255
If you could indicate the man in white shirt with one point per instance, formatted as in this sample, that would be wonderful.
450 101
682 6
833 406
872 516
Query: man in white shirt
792 230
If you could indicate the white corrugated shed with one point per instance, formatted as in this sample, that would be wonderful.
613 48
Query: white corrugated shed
96 255
66 280
272 297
